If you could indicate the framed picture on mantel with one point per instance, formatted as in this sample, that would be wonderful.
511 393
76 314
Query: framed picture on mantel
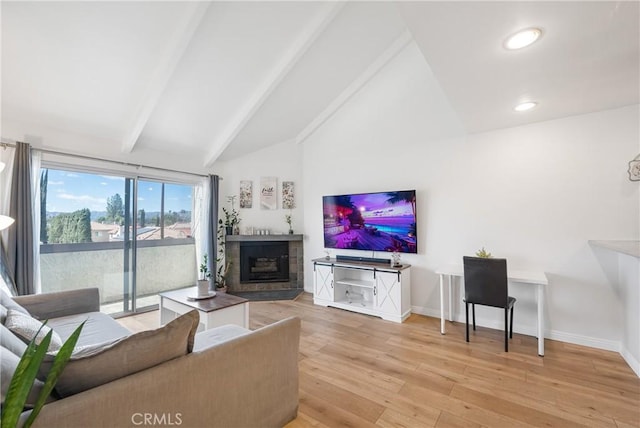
268 194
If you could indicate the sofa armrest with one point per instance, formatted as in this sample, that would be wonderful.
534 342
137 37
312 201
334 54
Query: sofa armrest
248 381
61 303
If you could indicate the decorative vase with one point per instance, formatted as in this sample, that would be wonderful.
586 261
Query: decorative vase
290 231
228 230
203 287
222 289
395 259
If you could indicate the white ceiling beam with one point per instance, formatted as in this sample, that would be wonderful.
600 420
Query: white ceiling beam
390 53
272 80
178 44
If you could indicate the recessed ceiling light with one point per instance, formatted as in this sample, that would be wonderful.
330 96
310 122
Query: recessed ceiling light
523 38
525 106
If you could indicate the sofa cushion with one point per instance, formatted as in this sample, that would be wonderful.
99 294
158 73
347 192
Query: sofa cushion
8 364
26 327
3 314
211 337
94 365
7 302
11 342
3 284
98 328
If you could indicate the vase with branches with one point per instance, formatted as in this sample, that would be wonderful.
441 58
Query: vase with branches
288 219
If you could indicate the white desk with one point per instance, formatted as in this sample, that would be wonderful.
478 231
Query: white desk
539 279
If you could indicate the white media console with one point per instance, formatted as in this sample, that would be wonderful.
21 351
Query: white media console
361 286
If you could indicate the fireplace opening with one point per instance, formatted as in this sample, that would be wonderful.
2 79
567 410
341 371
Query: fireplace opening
264 261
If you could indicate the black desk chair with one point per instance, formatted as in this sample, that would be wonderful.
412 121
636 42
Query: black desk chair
485 283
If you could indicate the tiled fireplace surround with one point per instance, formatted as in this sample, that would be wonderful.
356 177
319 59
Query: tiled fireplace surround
296 265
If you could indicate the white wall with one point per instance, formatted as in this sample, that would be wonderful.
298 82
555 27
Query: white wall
533 194
281 161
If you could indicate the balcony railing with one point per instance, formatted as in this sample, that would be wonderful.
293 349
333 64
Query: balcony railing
162 265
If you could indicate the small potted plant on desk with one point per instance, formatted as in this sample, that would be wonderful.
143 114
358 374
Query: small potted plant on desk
483 254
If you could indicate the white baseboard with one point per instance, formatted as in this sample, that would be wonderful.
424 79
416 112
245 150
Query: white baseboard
421 310
591 342
577 339
495 324
633 363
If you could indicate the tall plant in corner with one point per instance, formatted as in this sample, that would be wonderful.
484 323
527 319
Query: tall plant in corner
220 279
25 375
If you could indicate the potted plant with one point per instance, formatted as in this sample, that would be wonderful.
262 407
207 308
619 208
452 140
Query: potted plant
205 275
482 253
231 217
221 273
25 375
287 218
221 277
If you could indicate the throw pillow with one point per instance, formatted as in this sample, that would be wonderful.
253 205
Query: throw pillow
91 366
11 342
26 327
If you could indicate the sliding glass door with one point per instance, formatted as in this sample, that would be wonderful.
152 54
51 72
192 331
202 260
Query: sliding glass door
128 236
165 248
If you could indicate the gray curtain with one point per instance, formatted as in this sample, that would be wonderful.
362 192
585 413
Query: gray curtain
20 242
212 226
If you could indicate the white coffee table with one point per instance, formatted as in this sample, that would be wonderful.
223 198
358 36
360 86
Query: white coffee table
214 312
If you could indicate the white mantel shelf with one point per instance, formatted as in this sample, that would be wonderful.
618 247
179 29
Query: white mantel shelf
263 238
631 248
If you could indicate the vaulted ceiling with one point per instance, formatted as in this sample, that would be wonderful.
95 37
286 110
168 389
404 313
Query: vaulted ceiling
202 81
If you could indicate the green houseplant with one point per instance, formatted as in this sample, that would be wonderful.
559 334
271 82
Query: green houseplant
221 273
205 275
231 217
25 375
482 253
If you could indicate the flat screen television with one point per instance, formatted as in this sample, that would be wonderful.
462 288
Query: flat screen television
383 221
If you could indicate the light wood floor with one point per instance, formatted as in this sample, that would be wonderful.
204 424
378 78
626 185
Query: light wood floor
358 371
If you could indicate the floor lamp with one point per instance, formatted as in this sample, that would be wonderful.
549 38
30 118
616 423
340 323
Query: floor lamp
5 221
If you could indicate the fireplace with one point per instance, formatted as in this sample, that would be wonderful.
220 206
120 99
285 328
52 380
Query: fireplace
264 262
294 252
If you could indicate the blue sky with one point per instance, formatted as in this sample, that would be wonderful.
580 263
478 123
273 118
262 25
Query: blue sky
70 191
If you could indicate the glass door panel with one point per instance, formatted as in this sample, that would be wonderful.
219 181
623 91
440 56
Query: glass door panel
166 258
83 239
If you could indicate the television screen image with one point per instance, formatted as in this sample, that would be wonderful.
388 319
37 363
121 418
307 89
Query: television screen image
384 221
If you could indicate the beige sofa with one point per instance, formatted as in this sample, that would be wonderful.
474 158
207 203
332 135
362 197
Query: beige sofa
233 378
